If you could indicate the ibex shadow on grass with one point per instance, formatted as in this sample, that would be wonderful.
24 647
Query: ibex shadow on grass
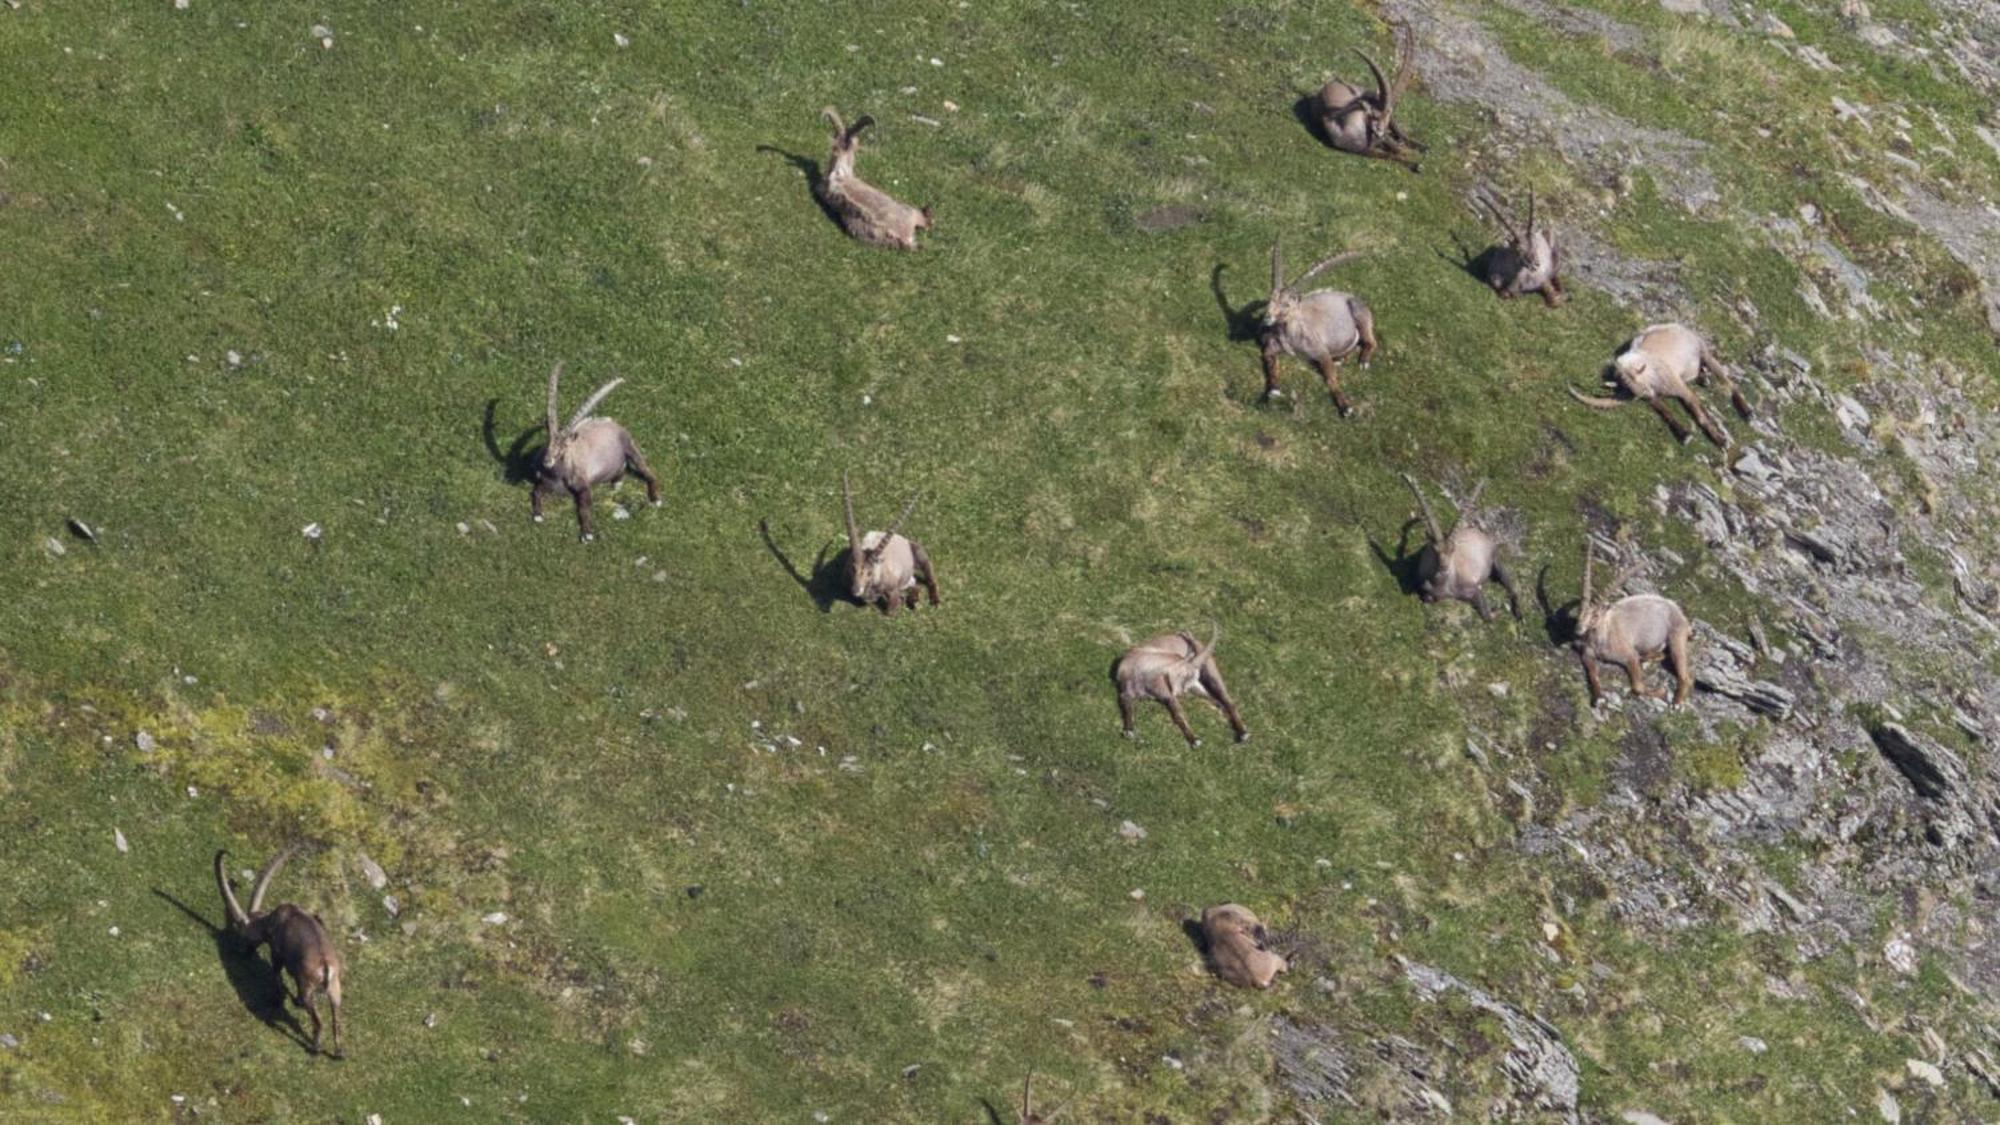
260 991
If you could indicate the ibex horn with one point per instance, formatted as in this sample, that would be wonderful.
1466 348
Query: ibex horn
265 876
555 378
1599 403
237 919
847 509
1424 506
904 514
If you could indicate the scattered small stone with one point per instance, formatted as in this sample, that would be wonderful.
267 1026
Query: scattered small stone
8 1041
118 841
1641 1117
113 931
1925 1072
430 1019
496 918
1752 1044
1773 26
618 512
144 741
179 5
1498 688
1138 894
1885 1104
620 40
324 34
950 106
390 904
374 1119
312 531
233 357
464 528
377 878
1131 831
54 547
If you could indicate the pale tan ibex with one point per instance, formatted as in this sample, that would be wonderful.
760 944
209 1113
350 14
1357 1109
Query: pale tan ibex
1322 327
1362 121
865 211
1630 631
1239 947
1665 362
884 568
586 453
1530 261
1166 667
1460 563
298 940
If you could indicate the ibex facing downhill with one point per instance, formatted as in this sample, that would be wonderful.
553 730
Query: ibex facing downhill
1529 262
298 940
586 453
1166 667
1238 947
1665 362
1458 565
1630 631
865 211
883 568
1363 122
1322 327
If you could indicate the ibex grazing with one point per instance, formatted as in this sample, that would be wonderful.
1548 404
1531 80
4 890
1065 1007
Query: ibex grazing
884 568
1460 564
1529 262
1664 362
1322 327
298 940
1166 667
1363 122
1238 947
1629 631
586 453
865 211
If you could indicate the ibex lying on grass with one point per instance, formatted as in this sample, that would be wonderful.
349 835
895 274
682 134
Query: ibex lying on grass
1629 631
299 943
1322 327
1529 262
586 453
1166 667
865 211
1664 362
1460 564
883 568
1238 947
1364 121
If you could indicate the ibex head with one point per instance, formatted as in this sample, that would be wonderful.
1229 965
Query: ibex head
1382 113
867 567
560 436
1590 609
1284 300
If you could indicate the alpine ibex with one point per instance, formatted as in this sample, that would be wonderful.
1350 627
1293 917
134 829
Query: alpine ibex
1322 327
884 568
1529 262
298 940
1238 947
1363 122
1629 631
1460 563
1664 362
865 211
586 453
1166 667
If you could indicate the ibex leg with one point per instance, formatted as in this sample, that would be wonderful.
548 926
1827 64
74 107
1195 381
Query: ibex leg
1218 694
1331 375
1125 713
1636 672
1702 419
585 526
1180 719
1590 676
542 485
926 573
1506 581
636 461
1677 651
1680 432
1712 366
1271 389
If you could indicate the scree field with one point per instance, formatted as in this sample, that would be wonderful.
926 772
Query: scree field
666 827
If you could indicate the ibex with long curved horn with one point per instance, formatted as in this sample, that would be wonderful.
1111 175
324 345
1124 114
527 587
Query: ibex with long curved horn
1529 262
1630 631
1362 121
1322 327
298 940
586 453
1458 564
1665 362
884 568
865 211
1238 947
1166 667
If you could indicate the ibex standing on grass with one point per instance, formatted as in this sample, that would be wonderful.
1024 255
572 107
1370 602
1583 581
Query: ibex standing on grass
1363 121
1665 362
1630 631
1459 564
865 211
1238 947
884 568
586 453
1166 667
298 940
1529 262
1322 327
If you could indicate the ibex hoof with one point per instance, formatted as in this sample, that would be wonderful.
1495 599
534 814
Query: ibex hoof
538 517
1194 743
1242 736
657 503
1131 734
587 537
1273 394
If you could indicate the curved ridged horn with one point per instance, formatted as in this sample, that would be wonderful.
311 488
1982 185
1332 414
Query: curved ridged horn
860 123
1589 566
1471 502
1277 267
1424 506
904 514
555 377
1405 53
583 412
1381 83
1493 203
832 117
1326 264
1599 403
237 919
1531 217
264 878
853 529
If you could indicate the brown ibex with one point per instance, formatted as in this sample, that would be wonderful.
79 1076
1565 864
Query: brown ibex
586 453
1322 327
1166 667
884 568
1460 563
1360 121
865 211
1238 947
298 940
1530 261
1630 631
1665 362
